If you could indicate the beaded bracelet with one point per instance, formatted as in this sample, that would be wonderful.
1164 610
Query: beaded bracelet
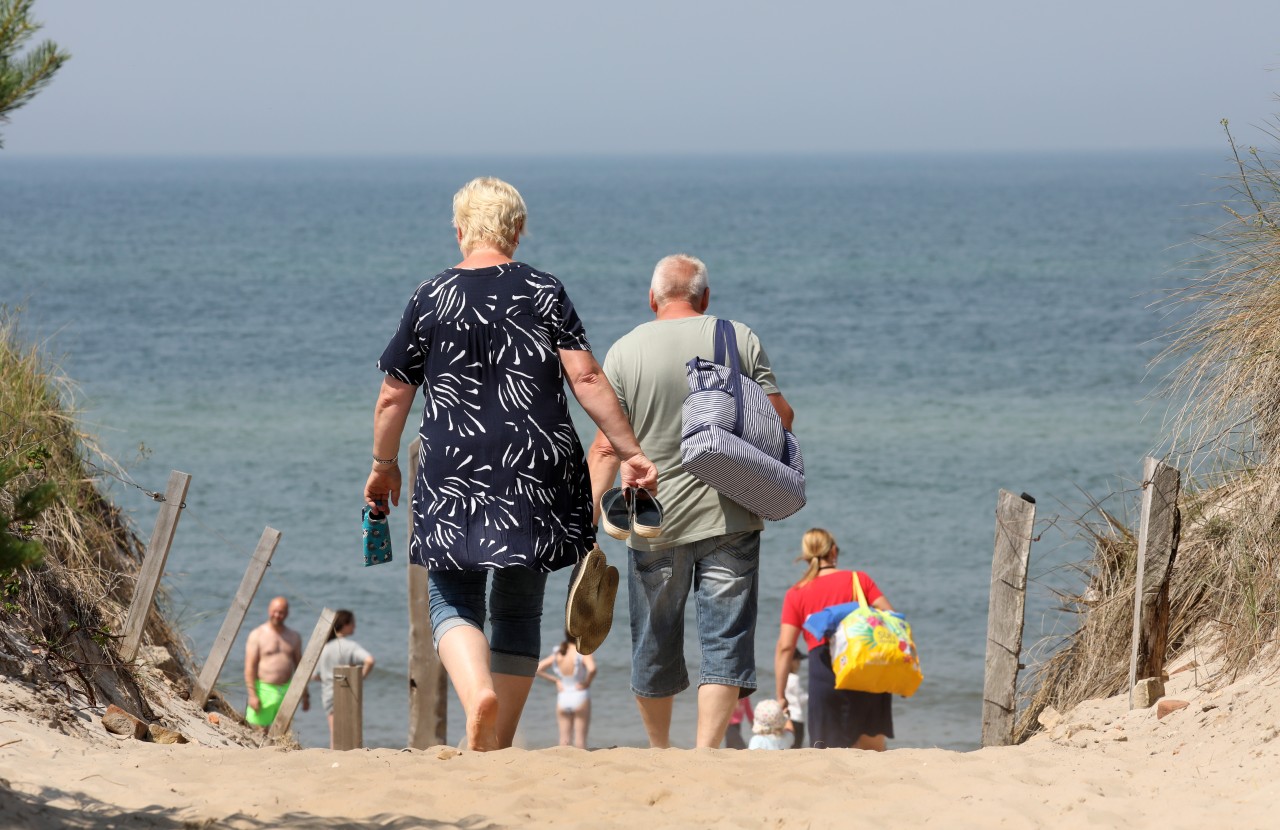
386 462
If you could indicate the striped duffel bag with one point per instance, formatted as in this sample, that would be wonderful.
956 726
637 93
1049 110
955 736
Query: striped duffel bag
732 438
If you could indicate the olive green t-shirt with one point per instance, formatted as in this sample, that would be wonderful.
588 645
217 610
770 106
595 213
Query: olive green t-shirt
647 370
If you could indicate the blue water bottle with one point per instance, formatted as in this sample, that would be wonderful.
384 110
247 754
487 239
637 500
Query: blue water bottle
377 536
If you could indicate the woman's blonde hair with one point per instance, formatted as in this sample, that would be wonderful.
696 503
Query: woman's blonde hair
489 211
816 545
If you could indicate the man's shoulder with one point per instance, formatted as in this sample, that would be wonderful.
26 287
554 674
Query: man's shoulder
744 332
699 323
659 331
257 635
645 330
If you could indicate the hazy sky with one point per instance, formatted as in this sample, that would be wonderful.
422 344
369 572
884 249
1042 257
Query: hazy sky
317 77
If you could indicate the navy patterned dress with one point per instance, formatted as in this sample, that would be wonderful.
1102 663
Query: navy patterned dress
502 481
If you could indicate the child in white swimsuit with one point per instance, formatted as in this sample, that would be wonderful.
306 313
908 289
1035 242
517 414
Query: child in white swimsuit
572 693
572 673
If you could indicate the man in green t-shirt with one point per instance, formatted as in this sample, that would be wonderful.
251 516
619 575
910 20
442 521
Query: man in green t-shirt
709 543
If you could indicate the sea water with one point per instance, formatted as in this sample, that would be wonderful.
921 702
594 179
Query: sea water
944 326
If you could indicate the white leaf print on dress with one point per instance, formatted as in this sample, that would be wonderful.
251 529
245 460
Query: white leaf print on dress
502 480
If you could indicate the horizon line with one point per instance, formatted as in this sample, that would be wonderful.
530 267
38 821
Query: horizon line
588 156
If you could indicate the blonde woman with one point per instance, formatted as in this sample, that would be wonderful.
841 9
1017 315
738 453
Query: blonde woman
836 718
502 482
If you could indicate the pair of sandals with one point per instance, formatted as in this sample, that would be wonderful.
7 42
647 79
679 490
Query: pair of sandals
593 587
627 510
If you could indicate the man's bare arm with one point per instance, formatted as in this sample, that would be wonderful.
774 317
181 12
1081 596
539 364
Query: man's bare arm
785 412
251 654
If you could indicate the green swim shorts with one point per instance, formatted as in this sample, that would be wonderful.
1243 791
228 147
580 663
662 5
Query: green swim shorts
270 696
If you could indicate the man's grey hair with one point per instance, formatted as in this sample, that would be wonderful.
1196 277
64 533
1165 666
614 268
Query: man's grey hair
679 277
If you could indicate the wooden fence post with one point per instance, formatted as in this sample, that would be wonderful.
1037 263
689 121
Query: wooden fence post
235 616
428 682
1015 523
1158 533
348 707
306 668
144 592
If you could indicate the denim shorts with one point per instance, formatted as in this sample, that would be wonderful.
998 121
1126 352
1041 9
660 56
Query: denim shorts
724 573
515 613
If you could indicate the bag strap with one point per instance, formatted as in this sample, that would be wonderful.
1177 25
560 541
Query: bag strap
727 345
727 355
693 372
858 592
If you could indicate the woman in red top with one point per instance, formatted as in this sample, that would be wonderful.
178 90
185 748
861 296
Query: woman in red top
836 718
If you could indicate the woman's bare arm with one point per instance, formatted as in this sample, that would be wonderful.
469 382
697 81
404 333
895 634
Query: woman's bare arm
587 381
390 413
788 635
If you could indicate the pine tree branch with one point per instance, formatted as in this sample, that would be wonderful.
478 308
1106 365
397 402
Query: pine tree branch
29 76
21 78
16 27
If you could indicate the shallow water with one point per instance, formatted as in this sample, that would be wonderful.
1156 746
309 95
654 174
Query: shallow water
943 326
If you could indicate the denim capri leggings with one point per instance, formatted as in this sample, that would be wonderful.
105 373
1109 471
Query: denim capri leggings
515 613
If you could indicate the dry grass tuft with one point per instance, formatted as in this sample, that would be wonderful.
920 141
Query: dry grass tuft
1227 351
1093 661
1228 372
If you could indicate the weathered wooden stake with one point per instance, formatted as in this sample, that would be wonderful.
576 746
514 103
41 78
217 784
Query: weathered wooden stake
1015 523
144 593
1158 533
306 668
348 707
428 682
235 616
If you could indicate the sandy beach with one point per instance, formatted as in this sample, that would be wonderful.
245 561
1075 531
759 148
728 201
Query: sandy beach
1217 760
972 253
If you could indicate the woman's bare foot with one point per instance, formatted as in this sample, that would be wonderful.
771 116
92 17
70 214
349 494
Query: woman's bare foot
482 727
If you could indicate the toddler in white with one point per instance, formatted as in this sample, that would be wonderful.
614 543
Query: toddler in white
772 728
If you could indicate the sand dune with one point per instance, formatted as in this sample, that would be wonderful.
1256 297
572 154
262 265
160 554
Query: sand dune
1104 766
1216 761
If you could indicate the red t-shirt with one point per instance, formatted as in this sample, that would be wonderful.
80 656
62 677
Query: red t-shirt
827 590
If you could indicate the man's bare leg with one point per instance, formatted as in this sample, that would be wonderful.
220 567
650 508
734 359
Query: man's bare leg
465 654
655 713
512 691
715 706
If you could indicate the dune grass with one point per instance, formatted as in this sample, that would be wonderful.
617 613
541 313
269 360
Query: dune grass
69 608
1225 354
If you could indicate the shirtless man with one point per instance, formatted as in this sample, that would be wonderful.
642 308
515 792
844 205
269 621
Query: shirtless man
271 655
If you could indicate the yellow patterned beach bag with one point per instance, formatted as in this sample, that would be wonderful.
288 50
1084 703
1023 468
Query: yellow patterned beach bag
872 650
